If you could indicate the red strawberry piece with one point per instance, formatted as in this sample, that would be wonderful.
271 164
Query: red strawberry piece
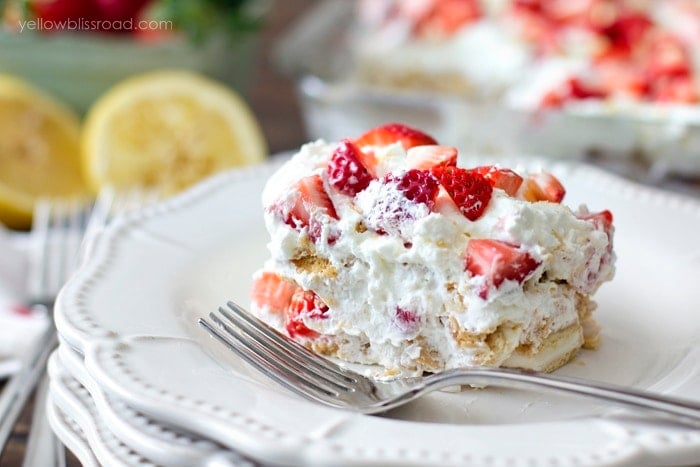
498 261
470 191
345 171
427 157
567 11
505 179
394 133
406 320
444 204
304 303
417 185
447 16
602 220
602 14
309 201
543 186
580 90
572 89
679 89
391 213
627 31
270 290
667 57
615 75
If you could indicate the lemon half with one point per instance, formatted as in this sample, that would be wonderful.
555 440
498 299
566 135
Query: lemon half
168 130
39 150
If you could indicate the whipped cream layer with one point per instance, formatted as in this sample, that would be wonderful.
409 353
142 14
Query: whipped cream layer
398 292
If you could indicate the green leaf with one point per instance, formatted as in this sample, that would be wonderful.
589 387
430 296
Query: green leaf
200 19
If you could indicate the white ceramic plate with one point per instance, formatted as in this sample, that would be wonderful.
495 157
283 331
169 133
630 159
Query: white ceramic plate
132 311
161 444
71 400
118 433
70 434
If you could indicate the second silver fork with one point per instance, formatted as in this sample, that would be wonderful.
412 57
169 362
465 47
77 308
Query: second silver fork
56 236
322 380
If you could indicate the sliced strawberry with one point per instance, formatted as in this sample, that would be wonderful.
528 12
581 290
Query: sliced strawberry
417 185
626 31
394 133
345 170
304 303
679 89
470 191
445 205
543 186
428 157
602 220
668 56
571 90
505 179
406 320
616 76
270 290
309 200
447 16
498 261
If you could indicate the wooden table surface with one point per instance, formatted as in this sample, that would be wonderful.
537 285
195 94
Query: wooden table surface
273 100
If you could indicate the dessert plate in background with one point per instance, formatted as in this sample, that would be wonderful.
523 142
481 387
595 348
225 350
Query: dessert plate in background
132 312
316 51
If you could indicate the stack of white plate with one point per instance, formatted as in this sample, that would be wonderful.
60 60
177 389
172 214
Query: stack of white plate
135 381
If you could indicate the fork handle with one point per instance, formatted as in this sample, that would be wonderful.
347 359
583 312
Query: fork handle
15 394
681 410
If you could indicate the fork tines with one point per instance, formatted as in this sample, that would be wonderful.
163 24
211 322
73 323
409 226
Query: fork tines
57 231
286 361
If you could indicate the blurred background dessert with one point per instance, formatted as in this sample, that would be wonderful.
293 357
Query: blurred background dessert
534 53
614 80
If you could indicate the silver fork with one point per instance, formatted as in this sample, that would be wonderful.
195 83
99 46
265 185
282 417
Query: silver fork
43 447
57 231
64 232
321 380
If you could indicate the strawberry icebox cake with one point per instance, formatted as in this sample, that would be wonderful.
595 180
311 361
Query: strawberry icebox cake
535 53
384 251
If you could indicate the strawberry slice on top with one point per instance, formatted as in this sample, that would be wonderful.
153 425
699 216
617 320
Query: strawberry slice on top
447 16
543 186
505 179
309 199
395 133
470 191
346 172
498 261
417 185
430 156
